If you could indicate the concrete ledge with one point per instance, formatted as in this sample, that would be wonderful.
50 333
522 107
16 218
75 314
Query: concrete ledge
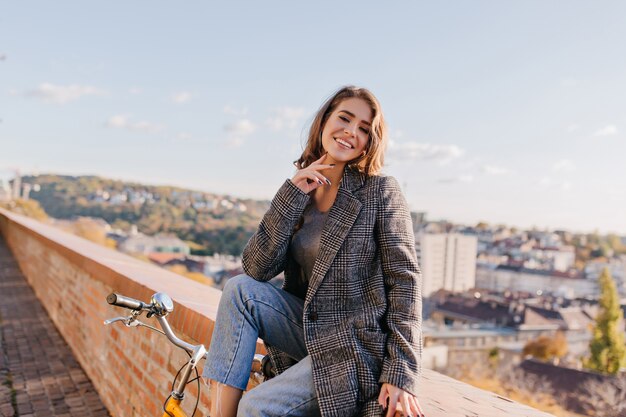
132 369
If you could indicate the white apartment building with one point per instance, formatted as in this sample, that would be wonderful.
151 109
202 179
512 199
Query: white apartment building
506 278
448 261
616 266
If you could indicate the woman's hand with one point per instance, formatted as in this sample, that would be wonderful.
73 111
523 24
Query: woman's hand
310 178
396 396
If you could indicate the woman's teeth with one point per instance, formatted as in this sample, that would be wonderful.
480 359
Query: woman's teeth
343 143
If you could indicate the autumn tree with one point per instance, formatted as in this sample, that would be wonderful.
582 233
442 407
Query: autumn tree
608 353
29 208
547 348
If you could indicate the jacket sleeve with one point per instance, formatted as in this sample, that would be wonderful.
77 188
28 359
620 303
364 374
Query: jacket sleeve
403 280
265 254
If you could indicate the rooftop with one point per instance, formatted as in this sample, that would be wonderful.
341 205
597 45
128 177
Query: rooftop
73 276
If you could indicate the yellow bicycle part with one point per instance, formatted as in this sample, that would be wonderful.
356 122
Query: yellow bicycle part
174 409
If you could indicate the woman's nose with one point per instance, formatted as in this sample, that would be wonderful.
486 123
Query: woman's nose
350 130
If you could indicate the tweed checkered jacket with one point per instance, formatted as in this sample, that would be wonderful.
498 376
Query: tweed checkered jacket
362 311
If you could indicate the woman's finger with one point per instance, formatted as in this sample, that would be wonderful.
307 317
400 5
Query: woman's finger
313 176
307 181
320 167
382 397
418 407
416 410
391 409
406 407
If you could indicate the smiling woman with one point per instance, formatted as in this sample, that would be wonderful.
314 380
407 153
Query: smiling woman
344 332
349 109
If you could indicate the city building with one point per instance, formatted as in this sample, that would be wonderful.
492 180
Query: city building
17 185
616 266
448 261
5 190
141 243
514 278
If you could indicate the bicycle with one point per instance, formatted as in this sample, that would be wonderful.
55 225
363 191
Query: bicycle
160 306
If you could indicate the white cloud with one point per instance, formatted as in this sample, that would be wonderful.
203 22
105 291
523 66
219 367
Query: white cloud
237 131
442 154
121 121
494 170
607 130
181 97
134 90
228 109
242 127
285 118
563 165
460 178
62 94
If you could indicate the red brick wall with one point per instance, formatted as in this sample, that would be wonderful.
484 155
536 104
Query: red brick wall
132 368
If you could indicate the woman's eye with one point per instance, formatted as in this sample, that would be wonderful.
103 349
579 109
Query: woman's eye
344 118
365 130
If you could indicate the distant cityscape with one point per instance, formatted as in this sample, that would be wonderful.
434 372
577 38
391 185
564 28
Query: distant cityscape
489 291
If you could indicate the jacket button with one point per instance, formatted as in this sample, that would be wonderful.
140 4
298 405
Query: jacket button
312 316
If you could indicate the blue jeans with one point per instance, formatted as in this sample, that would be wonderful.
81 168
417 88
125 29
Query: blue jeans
248 310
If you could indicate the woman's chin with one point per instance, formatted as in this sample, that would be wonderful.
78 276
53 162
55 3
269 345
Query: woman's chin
339 157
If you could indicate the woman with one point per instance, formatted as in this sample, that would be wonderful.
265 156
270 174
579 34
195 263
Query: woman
344 333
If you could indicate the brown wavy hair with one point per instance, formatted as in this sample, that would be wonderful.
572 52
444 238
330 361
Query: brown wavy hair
369 164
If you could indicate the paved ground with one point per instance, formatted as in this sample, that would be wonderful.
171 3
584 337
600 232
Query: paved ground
39 377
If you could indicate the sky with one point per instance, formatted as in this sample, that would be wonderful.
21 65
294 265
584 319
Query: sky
505 112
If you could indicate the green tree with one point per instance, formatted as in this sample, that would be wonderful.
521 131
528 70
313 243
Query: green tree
608 352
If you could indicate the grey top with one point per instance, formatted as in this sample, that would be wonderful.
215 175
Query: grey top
305 245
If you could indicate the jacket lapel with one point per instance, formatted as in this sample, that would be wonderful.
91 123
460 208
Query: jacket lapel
341 217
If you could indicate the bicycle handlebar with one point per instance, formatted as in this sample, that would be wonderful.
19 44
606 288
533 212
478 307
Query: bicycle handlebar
126 302
160 306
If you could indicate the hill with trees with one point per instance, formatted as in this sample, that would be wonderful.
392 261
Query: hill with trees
219 224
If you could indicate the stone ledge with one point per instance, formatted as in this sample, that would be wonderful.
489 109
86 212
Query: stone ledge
46 254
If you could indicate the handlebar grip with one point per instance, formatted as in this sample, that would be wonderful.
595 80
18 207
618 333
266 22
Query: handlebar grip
126 302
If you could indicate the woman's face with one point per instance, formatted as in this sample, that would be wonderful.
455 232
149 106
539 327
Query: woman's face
346 132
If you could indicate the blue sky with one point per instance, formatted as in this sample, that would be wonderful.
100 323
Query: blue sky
507 112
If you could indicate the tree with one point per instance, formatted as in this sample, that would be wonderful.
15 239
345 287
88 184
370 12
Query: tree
608 353
547 348
29 208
